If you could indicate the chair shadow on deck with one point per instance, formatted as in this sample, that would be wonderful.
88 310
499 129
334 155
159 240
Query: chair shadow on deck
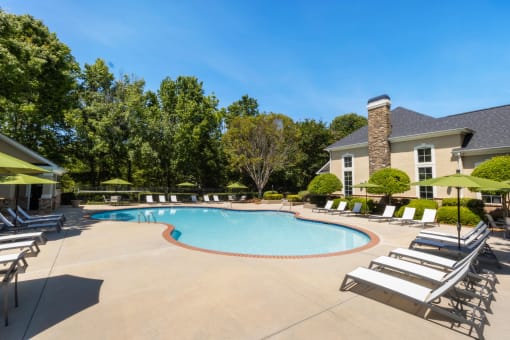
62 297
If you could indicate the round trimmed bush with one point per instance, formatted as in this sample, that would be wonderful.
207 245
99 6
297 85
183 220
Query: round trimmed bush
294 198
324 184
448 215
268 193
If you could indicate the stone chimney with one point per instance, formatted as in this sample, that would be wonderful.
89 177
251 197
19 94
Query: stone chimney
379 131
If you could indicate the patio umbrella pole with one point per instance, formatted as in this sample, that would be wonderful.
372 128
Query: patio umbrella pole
458 217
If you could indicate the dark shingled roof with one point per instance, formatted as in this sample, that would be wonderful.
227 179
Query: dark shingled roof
491 127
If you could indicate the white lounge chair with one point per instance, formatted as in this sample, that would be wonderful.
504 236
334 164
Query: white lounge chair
387 215
423 295
485 285
173 199
327 207
440 241
13 264
148 199
51 216
29 245
18 217
428 218
206 199
39 237
162 199
216 199
356 209
194 199
480 225
407 216
22 224
340 209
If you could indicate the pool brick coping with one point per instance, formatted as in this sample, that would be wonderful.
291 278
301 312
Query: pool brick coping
374 239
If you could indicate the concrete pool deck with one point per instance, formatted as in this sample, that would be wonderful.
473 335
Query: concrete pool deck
123 280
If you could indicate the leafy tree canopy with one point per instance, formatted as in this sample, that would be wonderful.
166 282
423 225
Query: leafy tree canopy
324 184
259 145
344 125
391 181
37 80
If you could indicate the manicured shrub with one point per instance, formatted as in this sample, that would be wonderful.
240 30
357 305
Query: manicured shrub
324 184
267 193
273 197
303 195
420 205
294 198
475 205
448 215
391 181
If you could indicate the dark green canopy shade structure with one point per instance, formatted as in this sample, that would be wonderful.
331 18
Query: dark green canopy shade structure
116 181
186 185
237 185
460 181
12 165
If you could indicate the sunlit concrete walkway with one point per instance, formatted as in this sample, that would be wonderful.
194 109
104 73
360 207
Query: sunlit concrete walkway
117 280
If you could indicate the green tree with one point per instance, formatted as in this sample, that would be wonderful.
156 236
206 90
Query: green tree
391 181
246 106
195 125
314 138
497 169
344 125
260 145
325 184
37 81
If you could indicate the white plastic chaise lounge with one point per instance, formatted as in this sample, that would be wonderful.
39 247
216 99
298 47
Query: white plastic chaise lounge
194 199
162 199
18 217
29 245
427 232
477 286
440 241
340 209
423 295
148 199
387 214
13 264
206 199
327 207
216 199
173 199
356 209
428 218
27 216
407 216
22 224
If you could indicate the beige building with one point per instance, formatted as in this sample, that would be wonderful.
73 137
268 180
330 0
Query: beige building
34 197
420 145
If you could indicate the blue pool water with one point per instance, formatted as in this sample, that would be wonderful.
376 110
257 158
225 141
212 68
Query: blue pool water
247 232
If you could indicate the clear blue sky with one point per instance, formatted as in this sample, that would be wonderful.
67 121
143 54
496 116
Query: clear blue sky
306 59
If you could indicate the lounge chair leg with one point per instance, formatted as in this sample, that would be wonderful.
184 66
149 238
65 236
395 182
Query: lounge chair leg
6 305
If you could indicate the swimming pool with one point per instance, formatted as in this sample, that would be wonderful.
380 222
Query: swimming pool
262 233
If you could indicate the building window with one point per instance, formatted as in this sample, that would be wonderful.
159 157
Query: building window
424 162
348 172
491 199
426 192
348 162
424 155
348 183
